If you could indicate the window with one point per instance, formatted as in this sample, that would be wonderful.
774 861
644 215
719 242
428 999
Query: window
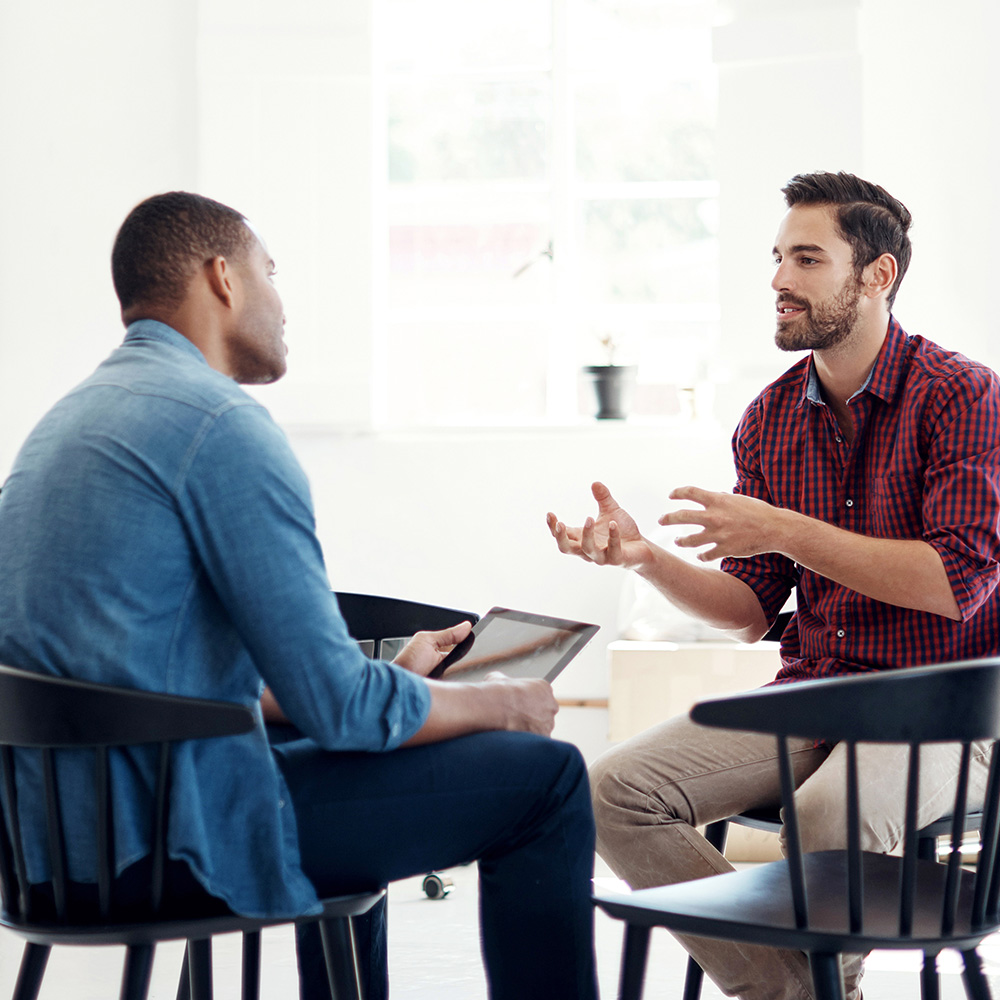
550 182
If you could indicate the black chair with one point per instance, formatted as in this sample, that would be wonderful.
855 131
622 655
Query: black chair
48 715
372 618
832 902
769 821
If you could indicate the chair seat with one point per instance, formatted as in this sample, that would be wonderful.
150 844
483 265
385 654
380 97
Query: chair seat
196 928
755 905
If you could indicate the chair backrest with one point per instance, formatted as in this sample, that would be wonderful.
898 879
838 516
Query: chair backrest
43 715
372 617
957 703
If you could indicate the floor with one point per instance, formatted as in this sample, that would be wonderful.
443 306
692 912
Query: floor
434 955
434 948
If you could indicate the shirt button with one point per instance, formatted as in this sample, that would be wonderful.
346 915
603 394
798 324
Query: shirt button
849 503
841 633
839 439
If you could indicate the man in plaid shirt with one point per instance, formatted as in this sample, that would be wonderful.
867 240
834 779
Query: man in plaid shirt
868 480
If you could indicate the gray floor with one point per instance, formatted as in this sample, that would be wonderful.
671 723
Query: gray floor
434 955
434 947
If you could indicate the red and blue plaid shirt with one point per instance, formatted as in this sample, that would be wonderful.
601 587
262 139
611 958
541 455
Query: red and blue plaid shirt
924 463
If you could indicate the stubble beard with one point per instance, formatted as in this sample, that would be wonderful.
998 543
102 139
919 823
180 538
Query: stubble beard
823 326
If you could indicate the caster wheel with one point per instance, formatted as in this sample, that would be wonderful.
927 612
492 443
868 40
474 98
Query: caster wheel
437 886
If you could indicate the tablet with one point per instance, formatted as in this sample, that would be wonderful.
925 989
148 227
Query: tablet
516 643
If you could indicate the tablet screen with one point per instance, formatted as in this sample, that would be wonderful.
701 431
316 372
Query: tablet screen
516 643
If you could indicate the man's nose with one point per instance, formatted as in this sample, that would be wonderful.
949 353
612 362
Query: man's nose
780 281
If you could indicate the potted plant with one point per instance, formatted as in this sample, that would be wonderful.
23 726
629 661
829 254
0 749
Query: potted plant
613 384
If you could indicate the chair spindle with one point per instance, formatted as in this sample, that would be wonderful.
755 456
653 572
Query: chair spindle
950 909
855 880
54 831
795 865
908 873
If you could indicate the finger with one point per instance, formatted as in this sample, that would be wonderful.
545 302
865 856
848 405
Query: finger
694 493
588 544
565 540
685 516
605 501
614 549
452 636
692 541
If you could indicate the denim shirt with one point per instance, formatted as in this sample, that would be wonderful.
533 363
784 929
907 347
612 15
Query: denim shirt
156 532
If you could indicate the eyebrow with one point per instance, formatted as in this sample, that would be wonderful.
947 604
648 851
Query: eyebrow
801 248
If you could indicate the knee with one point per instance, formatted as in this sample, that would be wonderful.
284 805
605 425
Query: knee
613 790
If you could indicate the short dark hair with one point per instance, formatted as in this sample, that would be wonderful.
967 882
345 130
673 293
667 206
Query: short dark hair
870 219
165 239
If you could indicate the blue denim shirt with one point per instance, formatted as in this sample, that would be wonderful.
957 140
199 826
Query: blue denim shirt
156 532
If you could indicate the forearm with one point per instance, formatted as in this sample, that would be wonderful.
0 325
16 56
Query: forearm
907 573
458 709
716 598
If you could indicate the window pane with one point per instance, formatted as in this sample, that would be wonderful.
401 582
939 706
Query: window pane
455 130
436 35
476 245
628 130
650 251
475 372
671 37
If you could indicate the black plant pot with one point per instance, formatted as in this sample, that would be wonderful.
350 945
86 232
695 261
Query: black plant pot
613 386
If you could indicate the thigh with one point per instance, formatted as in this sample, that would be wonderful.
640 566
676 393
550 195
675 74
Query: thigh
368 819
821 801
697 774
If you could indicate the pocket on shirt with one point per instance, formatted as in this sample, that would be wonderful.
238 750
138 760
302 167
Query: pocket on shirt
897 507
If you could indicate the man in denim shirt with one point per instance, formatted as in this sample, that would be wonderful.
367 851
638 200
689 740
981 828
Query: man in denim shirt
156 532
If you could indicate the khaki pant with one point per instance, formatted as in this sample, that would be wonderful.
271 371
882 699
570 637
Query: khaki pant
652 791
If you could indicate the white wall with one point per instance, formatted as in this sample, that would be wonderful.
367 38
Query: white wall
269 106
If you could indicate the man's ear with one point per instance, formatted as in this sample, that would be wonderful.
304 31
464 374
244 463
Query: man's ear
221 280
880 275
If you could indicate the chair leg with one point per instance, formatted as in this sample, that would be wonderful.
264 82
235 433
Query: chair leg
634 954
827 975
251 965
976 986
716 834
135 975
341 958
184 982
34 958
693 980
199 954
930 986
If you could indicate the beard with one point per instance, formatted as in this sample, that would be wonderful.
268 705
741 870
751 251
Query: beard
821 326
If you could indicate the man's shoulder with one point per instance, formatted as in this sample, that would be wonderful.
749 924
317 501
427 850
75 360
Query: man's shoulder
160 372
931 360
787 388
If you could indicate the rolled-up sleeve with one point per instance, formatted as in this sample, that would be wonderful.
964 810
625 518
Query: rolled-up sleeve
961 496
772 577
246 502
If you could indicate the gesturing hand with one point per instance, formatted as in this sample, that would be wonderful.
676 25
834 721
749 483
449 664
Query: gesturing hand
733 524
427 649
613 539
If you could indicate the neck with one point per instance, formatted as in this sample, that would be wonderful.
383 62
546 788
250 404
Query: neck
844 369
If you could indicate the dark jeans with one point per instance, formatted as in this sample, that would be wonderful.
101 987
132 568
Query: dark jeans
517 803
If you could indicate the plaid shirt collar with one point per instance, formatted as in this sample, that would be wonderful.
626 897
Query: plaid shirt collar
885 378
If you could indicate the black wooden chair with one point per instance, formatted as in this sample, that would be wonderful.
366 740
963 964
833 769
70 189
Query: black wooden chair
769 821
832 902
48 715
371 619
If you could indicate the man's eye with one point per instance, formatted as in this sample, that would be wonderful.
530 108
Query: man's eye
808 260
